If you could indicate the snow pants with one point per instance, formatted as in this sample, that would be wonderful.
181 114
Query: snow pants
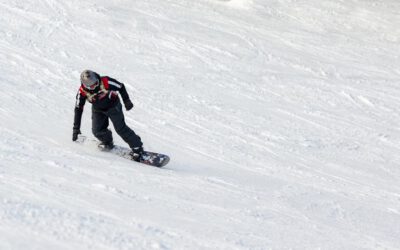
100 122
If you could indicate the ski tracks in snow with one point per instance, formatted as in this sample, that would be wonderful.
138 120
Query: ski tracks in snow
281 122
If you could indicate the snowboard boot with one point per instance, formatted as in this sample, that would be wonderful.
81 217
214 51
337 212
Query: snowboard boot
106 146
136 153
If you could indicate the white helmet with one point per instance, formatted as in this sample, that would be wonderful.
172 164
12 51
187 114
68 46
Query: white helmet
90 79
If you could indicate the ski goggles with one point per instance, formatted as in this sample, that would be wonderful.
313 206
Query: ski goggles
91 85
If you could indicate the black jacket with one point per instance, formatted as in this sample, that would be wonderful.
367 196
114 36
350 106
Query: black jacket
103 97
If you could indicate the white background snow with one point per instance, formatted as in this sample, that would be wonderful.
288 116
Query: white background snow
281 118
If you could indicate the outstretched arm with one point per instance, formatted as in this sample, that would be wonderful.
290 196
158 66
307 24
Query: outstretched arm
80 103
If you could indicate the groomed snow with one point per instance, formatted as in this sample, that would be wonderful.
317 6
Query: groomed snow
281 118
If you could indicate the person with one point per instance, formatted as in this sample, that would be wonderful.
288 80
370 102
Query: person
102 93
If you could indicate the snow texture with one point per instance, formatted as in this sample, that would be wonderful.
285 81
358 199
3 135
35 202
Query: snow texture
281 118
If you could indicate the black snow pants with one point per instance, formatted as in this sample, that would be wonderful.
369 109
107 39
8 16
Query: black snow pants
100 122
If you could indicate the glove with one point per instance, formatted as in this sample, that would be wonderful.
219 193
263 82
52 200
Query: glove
75 133
128 104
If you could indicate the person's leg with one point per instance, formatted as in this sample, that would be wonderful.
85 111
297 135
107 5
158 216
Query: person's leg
100 127
127 134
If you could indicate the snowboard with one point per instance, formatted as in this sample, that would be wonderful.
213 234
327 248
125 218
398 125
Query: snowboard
147 158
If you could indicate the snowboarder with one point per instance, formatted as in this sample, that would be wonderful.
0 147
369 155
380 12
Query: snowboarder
102 93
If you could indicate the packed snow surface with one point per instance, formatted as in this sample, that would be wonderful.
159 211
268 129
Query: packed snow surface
281 118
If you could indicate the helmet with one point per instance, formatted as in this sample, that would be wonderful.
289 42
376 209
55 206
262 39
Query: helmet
89 79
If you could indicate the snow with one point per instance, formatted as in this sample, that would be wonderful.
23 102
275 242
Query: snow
281 119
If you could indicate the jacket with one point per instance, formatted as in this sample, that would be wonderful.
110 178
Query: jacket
102 98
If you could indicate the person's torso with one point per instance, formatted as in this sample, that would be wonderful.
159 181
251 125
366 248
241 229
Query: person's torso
102 98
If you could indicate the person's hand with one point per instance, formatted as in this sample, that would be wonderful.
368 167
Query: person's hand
128 104
75 133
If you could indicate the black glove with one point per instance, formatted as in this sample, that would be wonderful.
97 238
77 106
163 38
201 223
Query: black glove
75 133
128 104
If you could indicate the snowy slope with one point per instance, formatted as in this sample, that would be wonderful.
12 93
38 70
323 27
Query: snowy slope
281 118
